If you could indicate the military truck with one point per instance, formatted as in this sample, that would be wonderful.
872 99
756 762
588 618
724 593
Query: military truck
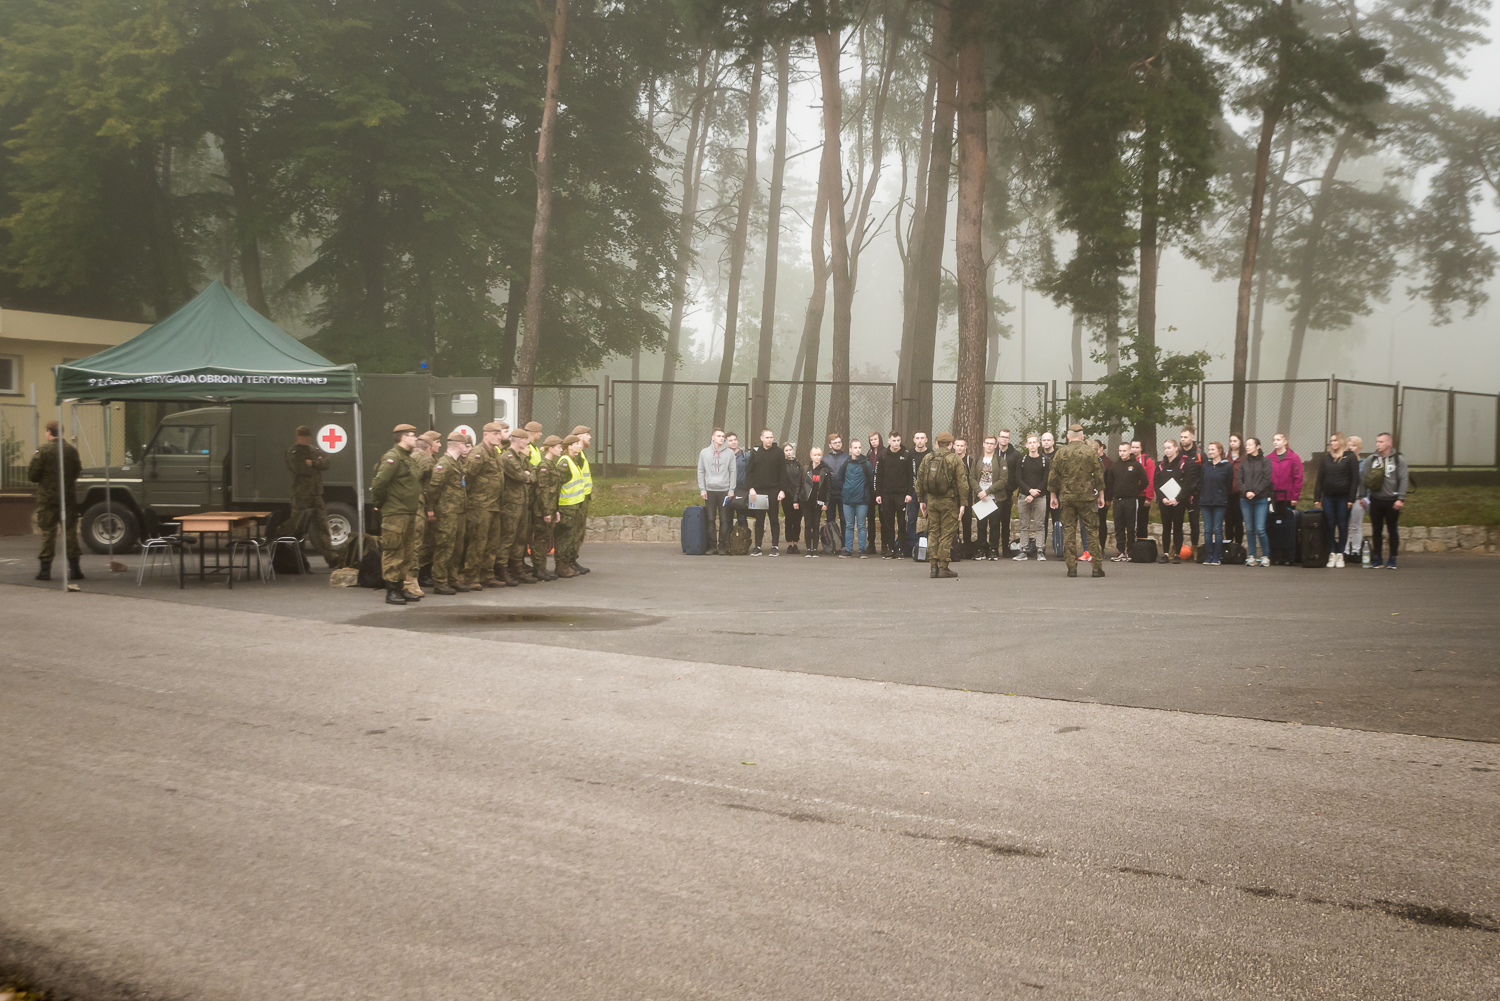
234 457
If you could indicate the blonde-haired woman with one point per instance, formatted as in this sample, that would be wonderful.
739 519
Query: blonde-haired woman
1338 478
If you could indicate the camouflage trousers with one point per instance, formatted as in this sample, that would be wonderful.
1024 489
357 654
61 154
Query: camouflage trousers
570 532
317 528
46 520
1076 514
942 525
447 547
398 543
543 540
479 540
515 531
429 543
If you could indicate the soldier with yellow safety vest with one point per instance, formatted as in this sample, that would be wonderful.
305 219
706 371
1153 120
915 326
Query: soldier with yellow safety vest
572 503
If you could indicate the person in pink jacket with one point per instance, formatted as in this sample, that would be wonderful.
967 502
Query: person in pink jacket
1286 473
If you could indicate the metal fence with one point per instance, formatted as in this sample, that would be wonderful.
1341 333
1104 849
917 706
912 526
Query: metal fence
84 425
560 409
655 424
1020 406
19 427
1309 401
871 408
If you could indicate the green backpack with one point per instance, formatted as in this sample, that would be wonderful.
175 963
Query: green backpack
935 478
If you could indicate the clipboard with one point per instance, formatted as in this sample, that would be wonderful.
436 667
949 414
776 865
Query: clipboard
983 509
1171 489
760 502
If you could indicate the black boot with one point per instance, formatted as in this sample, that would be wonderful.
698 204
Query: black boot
1098 570
424 577
934 574
45 573
75 572
393 595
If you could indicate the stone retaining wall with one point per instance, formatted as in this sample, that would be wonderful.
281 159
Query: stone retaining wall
1416 538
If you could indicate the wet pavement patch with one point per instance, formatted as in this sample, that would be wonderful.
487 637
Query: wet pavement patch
475 618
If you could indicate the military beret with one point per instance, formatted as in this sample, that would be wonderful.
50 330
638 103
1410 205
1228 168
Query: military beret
582 429
403 428
552 439
571 439
303 431
460 436
430 436
52 426
944 438
495 426
532 427
1075 427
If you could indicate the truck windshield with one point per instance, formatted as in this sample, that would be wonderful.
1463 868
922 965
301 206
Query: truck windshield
180 439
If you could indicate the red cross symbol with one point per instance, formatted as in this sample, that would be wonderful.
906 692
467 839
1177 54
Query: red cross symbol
332 438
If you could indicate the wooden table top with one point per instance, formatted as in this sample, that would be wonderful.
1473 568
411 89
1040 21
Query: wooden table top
218 520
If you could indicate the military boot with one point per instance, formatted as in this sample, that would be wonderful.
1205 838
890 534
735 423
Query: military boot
1098 570
943 571
564 571
424 576
509 570
548 574
409 595
45 573
524 575
496 582
393 595
75 572
445 588
579 569
1072 571
934 574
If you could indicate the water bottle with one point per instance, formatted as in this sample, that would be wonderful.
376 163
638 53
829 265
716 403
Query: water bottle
1364 555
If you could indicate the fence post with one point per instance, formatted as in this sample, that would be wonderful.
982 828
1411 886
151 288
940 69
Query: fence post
1398 415
606 430
1331 415
1452 412
1497 430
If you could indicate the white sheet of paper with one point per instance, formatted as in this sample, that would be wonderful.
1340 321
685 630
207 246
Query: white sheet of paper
760 502
1171 489
983 509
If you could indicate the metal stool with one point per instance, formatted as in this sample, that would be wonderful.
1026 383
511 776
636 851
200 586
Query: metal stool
156 551
293 543
253 544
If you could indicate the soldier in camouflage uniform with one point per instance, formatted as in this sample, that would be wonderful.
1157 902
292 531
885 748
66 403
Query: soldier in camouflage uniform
307 465
1076 483
520 477
574 483
544 518
429 447
446 500
482 533
942 490
397 493
534 459
43 472
581 458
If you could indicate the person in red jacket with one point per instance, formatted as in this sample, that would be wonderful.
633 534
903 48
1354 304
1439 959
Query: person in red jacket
1148 492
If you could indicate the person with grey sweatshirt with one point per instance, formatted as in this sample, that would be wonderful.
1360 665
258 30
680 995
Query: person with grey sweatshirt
1386 497
717 468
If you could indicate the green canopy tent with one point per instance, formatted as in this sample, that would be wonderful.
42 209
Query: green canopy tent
215 349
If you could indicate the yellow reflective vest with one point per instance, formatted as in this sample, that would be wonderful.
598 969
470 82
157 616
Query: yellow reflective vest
580 481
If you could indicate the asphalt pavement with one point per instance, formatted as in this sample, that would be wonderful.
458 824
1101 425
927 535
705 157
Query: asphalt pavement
758 778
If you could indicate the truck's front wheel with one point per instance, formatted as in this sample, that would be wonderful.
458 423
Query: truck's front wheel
341 521
110 526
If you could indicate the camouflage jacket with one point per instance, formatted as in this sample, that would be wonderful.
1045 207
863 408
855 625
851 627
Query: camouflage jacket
1076 474
519 475
550 478
397 488
43 472
482 471
307 481
958 477
447 494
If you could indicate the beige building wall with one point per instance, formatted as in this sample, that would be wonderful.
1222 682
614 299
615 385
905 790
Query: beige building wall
32 343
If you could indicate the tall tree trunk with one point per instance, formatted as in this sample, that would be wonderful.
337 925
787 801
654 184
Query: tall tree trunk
243 194
1270 115
827 47
1075 371
812 323
973 292
515 298
697 131
784 429
737 247
1263 282
372 249
773 232
905 391
1307 280
1145 331
935 218
536 285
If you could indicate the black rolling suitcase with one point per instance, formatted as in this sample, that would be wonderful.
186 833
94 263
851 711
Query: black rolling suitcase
1312 539
1143 551
1281 534
694 531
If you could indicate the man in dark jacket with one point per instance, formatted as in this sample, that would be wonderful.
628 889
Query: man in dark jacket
893 492
1124 480
918 452
1191 452
50 494
834 458
766 475
741 473
1012 478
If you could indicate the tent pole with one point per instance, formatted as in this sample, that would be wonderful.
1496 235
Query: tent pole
359 480
109 512
62 495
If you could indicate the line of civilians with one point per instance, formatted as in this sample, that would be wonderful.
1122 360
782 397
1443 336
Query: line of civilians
1227 493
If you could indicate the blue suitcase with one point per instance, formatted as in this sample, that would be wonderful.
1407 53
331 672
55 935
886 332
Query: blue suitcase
695 530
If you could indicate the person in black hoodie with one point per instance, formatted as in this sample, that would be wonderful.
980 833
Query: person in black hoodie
1192 454
791 507
1338 482
1013 477
1124 480
812 499
767 478
1172 468
894 490
1031 496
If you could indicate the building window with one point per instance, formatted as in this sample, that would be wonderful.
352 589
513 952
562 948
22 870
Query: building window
10 374
464 403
